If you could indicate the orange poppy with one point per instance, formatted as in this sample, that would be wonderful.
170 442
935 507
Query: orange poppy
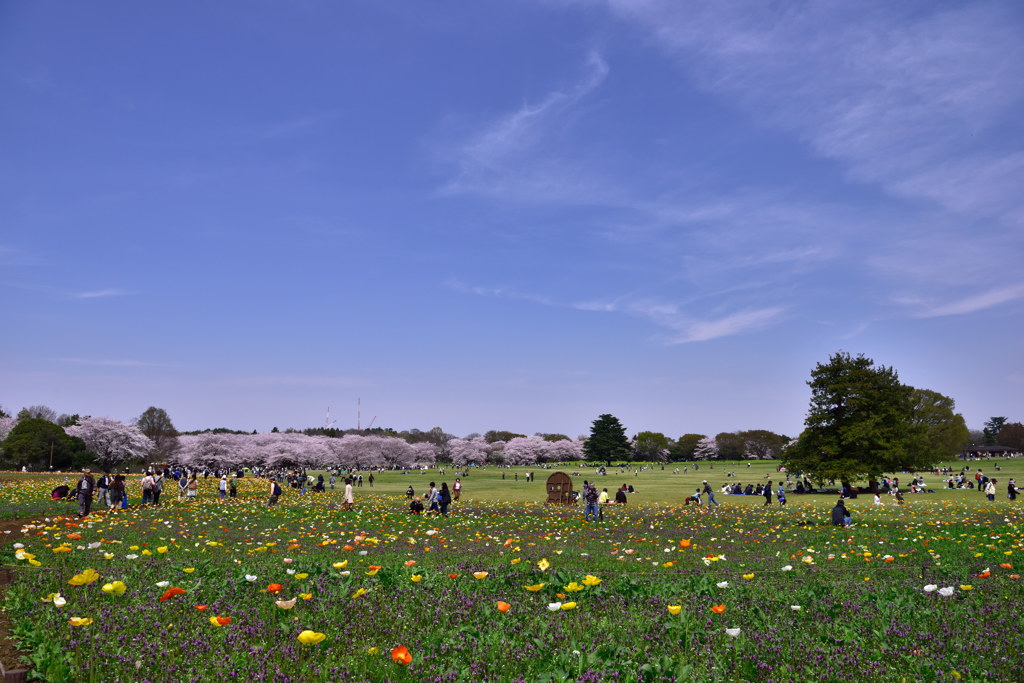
401 655
171 592
685 543
275 588
220 621
410 563
718 609
503 606
201 608
1006 565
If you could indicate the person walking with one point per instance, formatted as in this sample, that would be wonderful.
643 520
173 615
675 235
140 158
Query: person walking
349 496
456 488
193 487
147 488
275 493
781 495
182 486
767 494
157 487
710 494
332 480
990 490
116 492
444 498
86 488
590 495
233 487
103 490
432 499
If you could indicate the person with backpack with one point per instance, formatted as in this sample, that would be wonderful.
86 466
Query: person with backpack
147 488
158 486
275 493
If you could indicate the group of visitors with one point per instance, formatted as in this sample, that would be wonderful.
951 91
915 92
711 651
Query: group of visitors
437 500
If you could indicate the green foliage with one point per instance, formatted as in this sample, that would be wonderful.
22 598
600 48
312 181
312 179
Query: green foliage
731 446
991 431
498 435
686 445
607 440
156 424
651 446
1012 436
860 423
943 432
30 443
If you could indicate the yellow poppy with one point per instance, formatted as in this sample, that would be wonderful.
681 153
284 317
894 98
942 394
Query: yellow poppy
591 581
479 575
675 609
115 588
568 605
86 577
79 621
543 564
416 578
535 587
311 637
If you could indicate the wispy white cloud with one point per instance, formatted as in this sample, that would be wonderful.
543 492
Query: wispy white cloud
977 302
100 294
910 99
684 326
500 157
497 292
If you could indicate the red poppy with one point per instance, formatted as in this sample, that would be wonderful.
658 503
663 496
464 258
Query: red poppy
453 576
275 588
984 575
221 621
171 592
401 655
718 609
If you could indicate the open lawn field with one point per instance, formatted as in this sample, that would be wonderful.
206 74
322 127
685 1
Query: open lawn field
508 589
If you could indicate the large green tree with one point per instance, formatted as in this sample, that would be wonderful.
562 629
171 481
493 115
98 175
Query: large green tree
992 427
1012 436
860 423
607 440
36 442
156 424
651 446
943 432
685 446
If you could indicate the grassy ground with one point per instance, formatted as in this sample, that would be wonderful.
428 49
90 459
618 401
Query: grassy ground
652 485
508 590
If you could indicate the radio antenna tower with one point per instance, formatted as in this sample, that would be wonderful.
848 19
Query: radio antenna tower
328 422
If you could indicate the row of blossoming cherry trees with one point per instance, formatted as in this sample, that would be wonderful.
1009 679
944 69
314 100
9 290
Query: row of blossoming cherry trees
115 443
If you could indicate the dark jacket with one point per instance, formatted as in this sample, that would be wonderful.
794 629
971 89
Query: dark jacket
839 515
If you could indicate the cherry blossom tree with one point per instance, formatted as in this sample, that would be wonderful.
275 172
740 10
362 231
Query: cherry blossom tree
526 450
707 449
466 452
6 425
111 442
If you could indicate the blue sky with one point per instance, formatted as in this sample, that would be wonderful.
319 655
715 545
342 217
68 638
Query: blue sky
513 215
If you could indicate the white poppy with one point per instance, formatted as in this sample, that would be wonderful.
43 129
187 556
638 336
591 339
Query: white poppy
732 632
722 584
554 606
788 568
931 588
250 577
946 592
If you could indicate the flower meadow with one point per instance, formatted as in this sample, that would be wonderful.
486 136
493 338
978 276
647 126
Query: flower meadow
207 590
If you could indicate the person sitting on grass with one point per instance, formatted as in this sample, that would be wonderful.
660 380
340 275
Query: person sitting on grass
840 515
416 506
